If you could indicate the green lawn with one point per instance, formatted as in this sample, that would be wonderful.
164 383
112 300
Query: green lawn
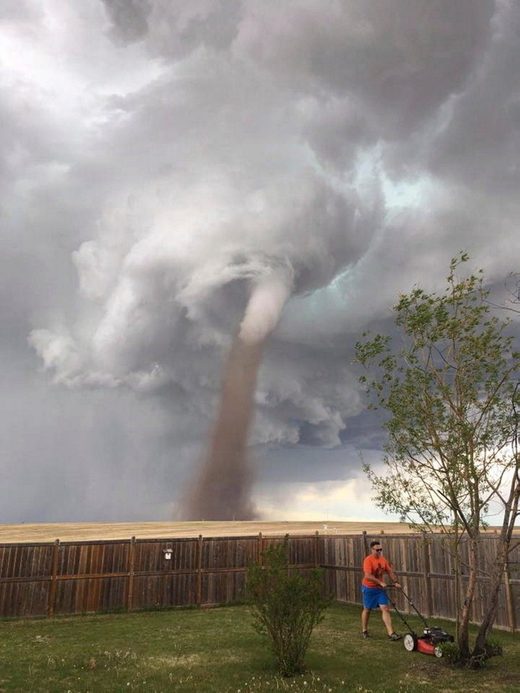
218 650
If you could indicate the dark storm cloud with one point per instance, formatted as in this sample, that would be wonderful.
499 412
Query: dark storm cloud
175 28
159 157
129 18
401 59
480 144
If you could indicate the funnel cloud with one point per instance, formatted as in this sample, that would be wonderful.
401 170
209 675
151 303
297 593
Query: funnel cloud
222 491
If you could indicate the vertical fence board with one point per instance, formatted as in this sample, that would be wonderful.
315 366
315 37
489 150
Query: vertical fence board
199 569
131 568
54 571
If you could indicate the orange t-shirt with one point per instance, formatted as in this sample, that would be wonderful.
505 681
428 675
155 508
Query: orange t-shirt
376 567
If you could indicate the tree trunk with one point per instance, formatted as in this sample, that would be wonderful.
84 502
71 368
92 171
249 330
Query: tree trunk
456 555
463 639
492 601
510 516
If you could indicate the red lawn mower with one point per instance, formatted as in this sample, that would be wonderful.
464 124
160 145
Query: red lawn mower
430 640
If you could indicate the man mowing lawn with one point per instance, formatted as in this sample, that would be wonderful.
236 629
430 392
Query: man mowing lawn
373 589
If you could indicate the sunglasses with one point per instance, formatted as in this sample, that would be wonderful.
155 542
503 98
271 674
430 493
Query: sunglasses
378 550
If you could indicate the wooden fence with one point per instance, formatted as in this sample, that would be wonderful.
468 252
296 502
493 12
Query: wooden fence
59 578
426 570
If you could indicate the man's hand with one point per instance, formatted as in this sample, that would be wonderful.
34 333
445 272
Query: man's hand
396 584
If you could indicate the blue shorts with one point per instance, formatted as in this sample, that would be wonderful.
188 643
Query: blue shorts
373 597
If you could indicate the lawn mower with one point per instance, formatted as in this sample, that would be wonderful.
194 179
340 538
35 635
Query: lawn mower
430 640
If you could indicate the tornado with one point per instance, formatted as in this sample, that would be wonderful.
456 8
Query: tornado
222 489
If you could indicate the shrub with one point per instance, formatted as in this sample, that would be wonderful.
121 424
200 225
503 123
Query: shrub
493 648
450 652
286 607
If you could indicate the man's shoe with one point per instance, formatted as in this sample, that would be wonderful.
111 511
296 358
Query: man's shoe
395 636
365 634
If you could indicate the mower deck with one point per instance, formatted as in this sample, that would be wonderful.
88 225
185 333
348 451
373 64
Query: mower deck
430 640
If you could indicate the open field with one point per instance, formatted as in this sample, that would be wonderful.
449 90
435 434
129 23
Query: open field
83 531
217 651
90 531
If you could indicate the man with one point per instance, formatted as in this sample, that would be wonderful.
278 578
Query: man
373 589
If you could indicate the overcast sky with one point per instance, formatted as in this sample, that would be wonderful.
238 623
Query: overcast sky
159 156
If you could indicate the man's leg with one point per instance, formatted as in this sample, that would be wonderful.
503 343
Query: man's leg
364 619
387 618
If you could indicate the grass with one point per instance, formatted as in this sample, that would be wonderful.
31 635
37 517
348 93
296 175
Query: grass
217 650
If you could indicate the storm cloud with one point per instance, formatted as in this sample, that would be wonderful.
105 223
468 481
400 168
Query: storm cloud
162 158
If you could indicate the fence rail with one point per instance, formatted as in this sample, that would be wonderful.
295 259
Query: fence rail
58 578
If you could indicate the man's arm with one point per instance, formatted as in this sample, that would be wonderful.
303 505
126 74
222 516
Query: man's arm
372 578
392 576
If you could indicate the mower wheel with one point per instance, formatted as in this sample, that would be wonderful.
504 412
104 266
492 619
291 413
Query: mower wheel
410 642
438 651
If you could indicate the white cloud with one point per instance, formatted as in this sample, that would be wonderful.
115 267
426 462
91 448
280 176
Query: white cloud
327 501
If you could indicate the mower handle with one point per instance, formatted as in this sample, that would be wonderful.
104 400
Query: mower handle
410 602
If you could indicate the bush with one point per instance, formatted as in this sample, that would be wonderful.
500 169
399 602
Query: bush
286 607
493 648
450 652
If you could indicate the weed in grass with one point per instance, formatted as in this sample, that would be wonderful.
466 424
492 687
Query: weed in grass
308 683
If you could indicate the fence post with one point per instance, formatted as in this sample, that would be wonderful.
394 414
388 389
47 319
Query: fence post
199 570
317 549
51 604
405 580
427 577
367 551
260 549
131 566
509 600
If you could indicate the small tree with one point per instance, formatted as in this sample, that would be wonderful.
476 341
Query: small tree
451 393
285 607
